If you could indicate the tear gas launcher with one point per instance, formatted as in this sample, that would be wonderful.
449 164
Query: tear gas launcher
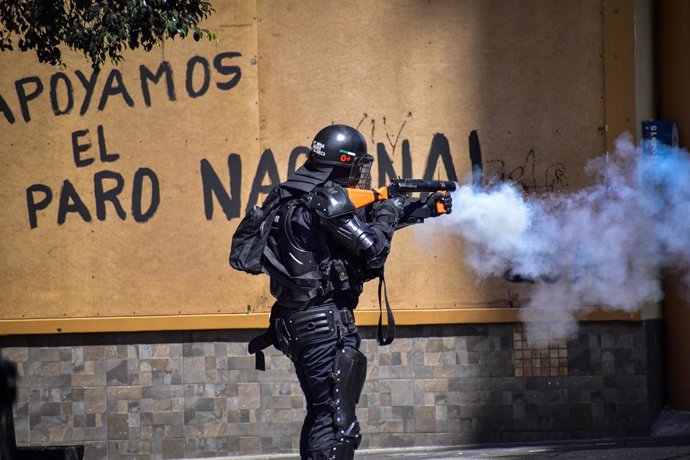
414 211
403 188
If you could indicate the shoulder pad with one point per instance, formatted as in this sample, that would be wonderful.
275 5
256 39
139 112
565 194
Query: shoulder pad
329 201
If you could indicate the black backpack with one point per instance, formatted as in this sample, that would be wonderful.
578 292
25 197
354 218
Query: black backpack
249 240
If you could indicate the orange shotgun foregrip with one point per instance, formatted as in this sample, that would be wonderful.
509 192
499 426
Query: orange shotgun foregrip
440 207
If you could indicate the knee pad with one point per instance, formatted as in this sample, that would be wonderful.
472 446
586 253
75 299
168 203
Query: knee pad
349 374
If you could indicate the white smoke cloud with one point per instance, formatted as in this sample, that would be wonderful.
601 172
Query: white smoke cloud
604 245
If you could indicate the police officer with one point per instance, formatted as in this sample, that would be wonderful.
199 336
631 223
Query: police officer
320 251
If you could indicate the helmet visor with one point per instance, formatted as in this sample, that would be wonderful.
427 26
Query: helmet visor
360 174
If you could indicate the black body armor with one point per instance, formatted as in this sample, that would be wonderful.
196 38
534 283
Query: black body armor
336 257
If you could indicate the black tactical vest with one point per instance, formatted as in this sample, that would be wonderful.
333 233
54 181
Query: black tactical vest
298 275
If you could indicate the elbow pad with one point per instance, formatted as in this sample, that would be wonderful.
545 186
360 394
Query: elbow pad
352 233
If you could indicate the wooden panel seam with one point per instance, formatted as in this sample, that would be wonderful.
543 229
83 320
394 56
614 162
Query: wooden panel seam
260 320
619 69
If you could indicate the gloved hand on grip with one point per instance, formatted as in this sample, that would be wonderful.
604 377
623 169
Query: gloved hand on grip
439 197
390 210
396 205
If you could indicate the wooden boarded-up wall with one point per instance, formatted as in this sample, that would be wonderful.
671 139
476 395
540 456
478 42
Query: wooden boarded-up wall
235 116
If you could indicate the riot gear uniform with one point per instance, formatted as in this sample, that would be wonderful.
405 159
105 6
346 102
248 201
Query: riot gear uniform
319 252
318 259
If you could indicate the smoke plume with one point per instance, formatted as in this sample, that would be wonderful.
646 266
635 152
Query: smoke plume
605 245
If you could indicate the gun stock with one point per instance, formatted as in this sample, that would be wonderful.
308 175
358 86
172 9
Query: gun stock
361 197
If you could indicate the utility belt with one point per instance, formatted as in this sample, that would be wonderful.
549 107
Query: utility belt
316 324
292 332
310 326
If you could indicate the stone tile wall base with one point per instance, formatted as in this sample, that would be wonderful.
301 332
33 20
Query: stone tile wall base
195 395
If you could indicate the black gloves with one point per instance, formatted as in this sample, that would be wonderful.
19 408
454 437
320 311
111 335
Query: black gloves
436 198
394 206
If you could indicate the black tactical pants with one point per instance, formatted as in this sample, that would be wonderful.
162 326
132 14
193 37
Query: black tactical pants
314 370
331 372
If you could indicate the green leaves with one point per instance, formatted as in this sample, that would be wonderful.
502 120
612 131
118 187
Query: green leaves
100 29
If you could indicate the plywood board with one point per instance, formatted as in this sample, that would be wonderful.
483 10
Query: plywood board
111 264
415 77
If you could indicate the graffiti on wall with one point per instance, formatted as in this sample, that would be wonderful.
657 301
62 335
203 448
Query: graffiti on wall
527 174
266 175
78 94
221 185
108 185
63 96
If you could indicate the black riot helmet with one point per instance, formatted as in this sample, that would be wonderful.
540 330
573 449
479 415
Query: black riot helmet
345 150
